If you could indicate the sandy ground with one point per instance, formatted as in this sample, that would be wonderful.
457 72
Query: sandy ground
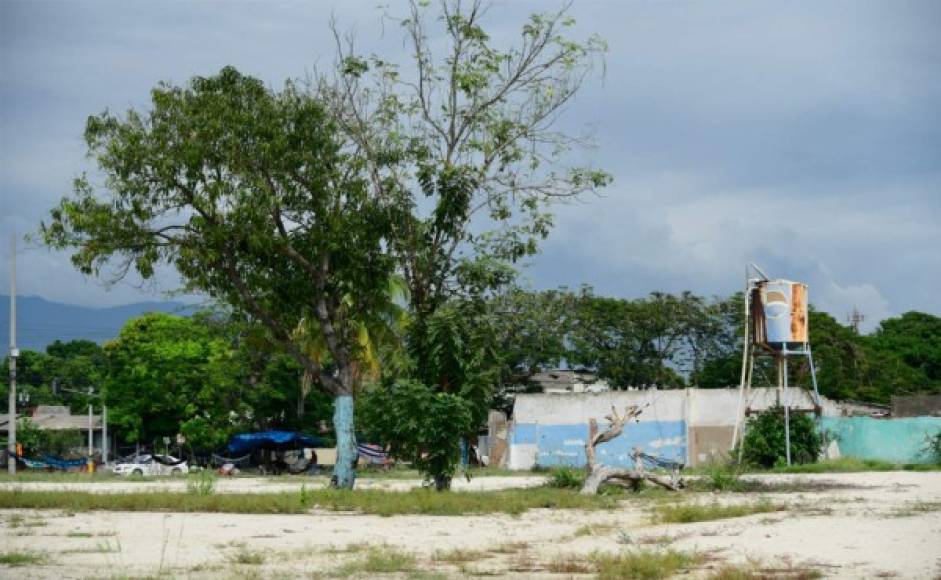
874 524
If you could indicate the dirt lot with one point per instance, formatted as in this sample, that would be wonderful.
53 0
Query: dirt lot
874 524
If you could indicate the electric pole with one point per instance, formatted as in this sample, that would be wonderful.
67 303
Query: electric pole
14 352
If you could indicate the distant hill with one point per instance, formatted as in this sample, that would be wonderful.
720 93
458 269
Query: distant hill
40 322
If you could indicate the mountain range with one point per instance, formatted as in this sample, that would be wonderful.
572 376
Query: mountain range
41 322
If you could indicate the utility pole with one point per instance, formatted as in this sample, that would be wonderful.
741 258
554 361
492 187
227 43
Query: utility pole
104 432
14 352
91 439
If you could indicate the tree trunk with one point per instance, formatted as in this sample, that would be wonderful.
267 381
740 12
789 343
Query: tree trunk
344 473
599 473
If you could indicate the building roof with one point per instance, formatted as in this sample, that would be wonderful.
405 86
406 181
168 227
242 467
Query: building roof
56 418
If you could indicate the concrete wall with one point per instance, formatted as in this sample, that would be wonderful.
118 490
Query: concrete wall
916 406
693 426
894 440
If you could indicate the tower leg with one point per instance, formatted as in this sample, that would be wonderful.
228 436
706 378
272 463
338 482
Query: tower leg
787 410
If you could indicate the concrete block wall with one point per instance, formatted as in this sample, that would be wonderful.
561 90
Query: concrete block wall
692 426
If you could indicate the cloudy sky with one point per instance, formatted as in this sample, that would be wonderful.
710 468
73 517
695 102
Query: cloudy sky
804 136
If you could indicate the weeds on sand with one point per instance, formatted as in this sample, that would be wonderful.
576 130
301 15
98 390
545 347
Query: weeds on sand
509 548
569 565
368 501
201 483
689 513
458 556
755 571
247 557
594 530
917 508
380 560
25 558
642 564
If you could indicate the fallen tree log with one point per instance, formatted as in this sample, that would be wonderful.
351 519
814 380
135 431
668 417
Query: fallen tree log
599 473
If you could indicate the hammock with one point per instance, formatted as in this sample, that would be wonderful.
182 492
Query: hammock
220 460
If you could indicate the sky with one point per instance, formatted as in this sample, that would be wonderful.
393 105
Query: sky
804 136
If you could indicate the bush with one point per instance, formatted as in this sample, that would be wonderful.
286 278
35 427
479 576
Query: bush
933 447
764 443
566 477
419 425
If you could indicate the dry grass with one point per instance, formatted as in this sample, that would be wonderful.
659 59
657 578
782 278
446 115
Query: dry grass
379 502
642 564
690 513
569 564
594 530
24 558
379 560
458 556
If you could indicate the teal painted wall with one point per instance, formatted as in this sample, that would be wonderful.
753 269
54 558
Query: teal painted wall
894 440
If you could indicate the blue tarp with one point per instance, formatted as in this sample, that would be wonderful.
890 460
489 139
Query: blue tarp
248 442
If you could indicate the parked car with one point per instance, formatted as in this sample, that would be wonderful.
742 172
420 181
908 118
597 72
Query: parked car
152 465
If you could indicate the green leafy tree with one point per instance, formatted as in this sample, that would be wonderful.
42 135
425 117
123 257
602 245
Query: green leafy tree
418 424
248 194
460 147
170 374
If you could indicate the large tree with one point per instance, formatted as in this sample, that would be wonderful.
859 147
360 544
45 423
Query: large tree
172 374
460 146
247 193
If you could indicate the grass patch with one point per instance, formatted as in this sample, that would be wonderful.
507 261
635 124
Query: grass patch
594 530
458 556
65 477
367 501
509 548
642 564
569 565
380 560
16 559
247 557
690 513
754 571
201 483
849 465
917 508
566 477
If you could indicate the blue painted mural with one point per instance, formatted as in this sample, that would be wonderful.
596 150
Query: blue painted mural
896 440
558 445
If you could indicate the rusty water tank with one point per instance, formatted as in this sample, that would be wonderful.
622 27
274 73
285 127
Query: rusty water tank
779 314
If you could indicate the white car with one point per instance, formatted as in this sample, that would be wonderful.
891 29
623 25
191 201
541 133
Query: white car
147 465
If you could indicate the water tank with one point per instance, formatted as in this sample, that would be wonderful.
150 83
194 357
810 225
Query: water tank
779 314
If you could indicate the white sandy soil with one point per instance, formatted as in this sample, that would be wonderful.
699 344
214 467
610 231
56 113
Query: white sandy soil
875 524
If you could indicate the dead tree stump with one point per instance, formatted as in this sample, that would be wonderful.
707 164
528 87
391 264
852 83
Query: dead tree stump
599 473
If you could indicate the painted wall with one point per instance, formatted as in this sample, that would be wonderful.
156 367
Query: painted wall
693 426
895 440
554 445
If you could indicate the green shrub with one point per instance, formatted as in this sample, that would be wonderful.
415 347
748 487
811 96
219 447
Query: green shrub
201 483
419 425
566 477
764 442
933 447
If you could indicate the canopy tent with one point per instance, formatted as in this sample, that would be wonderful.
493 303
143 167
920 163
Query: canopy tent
247 442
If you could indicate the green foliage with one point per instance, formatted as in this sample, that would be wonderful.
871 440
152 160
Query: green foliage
38 442
764 443
933 447
643 564
566 477
202 482
685 513
419 425
171 374
723 477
